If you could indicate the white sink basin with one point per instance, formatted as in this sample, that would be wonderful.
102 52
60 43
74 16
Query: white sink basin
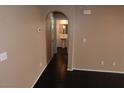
63 36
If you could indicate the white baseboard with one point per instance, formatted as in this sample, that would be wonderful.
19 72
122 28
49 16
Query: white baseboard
68 69
41 73
106 71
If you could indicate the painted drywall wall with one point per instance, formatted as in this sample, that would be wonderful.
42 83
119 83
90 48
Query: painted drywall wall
59 16
96 39
48 36
99 38
92 39
25 46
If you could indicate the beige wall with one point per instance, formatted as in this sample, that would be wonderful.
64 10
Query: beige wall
103 30
104 33
25 47
48 37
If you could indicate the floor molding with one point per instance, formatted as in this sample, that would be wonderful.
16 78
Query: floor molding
68 69
41 72
105 71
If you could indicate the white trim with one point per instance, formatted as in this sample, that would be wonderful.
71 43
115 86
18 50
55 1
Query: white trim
39 76
106 71
41 72
68 69
73 40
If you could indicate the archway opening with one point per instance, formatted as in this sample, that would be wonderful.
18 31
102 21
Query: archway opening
57 32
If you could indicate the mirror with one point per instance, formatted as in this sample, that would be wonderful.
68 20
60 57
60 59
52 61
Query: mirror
65 28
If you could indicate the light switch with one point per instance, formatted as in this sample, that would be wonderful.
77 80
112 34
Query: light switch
84 40
40 64
87 12
38 29
114 63
102 62
3 56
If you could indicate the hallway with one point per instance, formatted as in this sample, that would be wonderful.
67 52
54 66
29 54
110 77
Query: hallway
56 76
55 73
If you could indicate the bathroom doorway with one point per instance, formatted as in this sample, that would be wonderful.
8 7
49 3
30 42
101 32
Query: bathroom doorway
57 34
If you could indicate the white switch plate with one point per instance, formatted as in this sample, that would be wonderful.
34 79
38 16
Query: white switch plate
87 12
102 62
40 64
38 29
114 63
84 40
3 56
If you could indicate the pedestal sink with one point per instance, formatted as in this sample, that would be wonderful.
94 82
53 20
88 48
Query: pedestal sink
63 38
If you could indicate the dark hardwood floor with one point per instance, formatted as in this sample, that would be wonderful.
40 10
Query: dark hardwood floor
56 76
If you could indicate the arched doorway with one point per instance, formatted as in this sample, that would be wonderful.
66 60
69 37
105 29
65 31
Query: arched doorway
57 25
